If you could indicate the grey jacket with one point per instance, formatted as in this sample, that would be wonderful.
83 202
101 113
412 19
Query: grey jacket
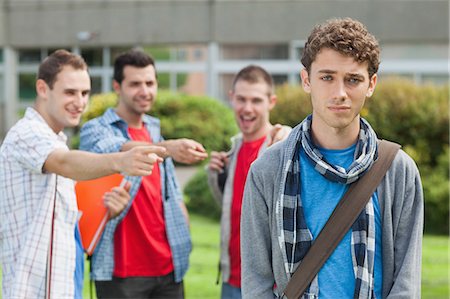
223 194
401 202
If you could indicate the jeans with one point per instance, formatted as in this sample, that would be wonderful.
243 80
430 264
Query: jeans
158 287
230 292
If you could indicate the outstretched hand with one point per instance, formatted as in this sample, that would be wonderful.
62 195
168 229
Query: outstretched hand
185 151
140 160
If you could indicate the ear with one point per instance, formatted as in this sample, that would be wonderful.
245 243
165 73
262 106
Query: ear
41 88
272 101
116 86
372 84
305 80
230 96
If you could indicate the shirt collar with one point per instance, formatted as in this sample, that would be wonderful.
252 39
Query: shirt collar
112 117
33 114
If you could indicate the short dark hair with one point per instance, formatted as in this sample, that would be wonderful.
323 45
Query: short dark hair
134 57
254 74
52 65
347 36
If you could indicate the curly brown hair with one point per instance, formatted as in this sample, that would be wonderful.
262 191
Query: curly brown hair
347 36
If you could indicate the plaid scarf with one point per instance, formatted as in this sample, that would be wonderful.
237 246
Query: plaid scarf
296 242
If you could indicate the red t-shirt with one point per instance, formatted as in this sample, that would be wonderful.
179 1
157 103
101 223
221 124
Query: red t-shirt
141 247
247 154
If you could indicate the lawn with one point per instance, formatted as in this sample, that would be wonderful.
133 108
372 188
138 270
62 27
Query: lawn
435 267
200 281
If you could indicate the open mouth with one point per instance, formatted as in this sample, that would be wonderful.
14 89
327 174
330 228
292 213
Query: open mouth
247 120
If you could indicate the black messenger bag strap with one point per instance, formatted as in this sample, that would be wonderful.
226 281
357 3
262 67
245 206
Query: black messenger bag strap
341 220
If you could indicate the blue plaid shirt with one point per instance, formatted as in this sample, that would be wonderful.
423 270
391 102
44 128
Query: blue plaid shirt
107 134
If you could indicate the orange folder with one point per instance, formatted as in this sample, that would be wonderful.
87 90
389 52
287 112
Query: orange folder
94 213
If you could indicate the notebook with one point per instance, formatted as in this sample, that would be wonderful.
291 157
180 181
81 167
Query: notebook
94 214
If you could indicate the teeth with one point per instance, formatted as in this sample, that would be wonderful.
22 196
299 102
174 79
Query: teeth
247 118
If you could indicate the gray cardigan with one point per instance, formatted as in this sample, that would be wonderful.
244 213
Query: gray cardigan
401 201
224 199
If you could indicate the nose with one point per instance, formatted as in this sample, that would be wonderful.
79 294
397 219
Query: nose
81 100
144 89
247 106
340 92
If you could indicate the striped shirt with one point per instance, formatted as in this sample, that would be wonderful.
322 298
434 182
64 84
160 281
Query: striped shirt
26 209
107 134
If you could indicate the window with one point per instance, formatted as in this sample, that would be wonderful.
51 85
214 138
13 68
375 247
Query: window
27 87
30 56
279 79
93 57
116 52
158 53
96 85
2 100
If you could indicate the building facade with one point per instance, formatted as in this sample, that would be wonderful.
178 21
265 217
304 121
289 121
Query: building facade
200 44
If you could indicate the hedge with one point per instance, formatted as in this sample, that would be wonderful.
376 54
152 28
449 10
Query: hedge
201 118
413 115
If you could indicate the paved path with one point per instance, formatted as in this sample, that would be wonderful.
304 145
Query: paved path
184 173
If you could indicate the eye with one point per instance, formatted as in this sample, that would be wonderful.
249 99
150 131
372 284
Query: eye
354 80
326 78
85 93
257 100
150 83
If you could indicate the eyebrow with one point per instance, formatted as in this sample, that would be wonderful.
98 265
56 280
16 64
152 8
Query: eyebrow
327 71
356 75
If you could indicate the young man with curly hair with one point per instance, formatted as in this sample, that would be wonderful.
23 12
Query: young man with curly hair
293 188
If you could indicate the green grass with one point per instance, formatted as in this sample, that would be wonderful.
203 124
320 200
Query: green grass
435 267
200 281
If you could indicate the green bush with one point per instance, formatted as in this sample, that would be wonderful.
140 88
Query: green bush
436 188
199 197
198 117
416 116
201 118
293 105
412 115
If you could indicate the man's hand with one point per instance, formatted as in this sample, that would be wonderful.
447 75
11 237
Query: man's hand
218 161
184 150
116 200
278 133
139 161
